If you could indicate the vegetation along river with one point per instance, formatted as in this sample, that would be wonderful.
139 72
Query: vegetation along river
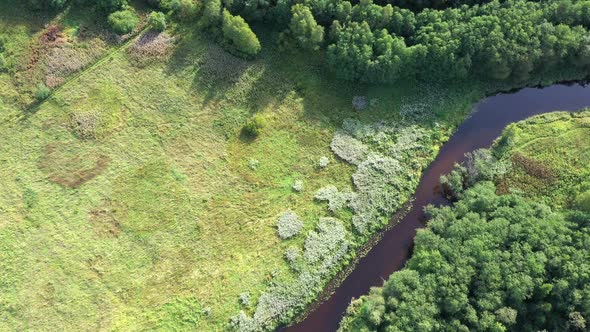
486 123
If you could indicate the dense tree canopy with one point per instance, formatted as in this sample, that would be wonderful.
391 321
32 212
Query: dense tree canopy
425 40
304 28
490 263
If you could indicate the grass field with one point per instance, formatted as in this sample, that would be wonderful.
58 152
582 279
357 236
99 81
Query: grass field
550 156
130 199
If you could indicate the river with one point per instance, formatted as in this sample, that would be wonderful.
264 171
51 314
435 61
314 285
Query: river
489 118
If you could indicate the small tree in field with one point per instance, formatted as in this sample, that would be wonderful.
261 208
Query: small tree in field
157 21
239 35
123 21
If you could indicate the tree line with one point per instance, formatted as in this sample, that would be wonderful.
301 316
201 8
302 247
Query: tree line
383 43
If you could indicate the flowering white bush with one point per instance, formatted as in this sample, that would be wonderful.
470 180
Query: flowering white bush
292 254
324 161
324 248
390 159
298 185
329 236
348 148
245 298
336 199
253 164
289 225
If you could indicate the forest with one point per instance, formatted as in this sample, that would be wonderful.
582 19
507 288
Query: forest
383 43
511 253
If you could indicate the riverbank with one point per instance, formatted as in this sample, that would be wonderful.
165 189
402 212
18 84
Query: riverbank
490 117
535 210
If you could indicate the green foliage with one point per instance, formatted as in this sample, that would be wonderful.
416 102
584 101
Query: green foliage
109 6
500 262
303 27
123 21
3 64
238 35
582 201
183 9
212 13
47 4
490 262
42 92
157 21
253 126
480 165
508 40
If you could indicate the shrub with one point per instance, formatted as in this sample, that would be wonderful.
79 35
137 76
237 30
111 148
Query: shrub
323 162
336 199
238 34
212 13
292 254
253 164
157 21
42 92
582 202
480 165
110 6
123 21
319 244
253 126
245 298
298 185
289 225
47 4
183 9
348 148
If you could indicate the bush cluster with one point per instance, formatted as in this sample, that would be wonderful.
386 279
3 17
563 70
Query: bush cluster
253 126
389 161
289 225
123 21
336 199
348 148
157 21
480 165
324 248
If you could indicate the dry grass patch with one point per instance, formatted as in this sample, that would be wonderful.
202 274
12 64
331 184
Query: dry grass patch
64 166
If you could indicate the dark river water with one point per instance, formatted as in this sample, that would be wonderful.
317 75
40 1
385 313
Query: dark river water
486 123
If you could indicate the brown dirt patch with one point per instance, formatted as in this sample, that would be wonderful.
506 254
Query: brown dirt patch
105 223
72 171
151 46
533 167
